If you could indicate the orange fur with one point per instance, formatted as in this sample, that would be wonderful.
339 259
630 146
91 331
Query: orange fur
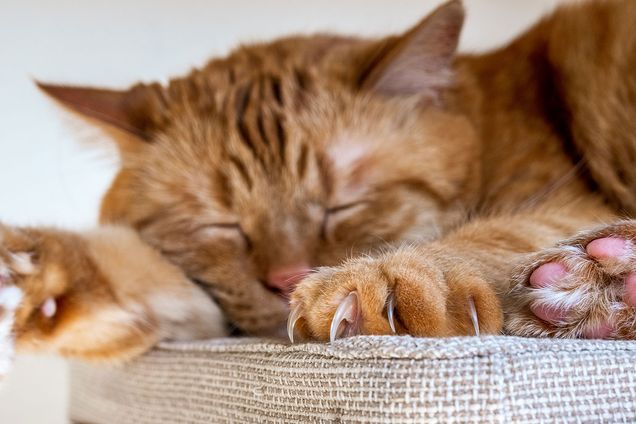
446 172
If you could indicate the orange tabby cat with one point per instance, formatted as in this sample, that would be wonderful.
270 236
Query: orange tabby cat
445 195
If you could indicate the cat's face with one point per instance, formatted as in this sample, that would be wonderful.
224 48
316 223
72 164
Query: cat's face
279 159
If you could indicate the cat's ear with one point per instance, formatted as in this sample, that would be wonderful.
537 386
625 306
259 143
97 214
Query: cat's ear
135 112
419 61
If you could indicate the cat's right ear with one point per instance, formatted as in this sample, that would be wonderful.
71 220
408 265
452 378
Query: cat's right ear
134 114
419 61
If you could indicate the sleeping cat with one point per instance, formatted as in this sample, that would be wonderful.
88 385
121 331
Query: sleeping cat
387 183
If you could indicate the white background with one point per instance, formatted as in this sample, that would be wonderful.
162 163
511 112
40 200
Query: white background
52 170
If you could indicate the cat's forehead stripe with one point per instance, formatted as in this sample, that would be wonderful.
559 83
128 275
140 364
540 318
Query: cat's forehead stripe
282 137
243 95
242 171
302 161
262 132
277 90
258 114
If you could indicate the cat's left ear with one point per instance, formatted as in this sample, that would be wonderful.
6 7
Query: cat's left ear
419 61
135 112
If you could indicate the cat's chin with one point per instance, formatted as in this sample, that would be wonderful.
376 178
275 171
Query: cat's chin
267 327
285 296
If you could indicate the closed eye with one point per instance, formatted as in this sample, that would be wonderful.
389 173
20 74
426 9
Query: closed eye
340 212
222 229
346 206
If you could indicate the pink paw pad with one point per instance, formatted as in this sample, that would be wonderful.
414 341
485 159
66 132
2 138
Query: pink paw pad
547 274
608 247
602 331
549 314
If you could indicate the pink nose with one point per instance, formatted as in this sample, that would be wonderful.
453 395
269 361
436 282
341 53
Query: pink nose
287 277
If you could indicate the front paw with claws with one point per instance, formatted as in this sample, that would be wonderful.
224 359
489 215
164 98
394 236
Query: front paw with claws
404 292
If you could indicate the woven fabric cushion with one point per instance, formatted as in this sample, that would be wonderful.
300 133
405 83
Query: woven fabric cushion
365 379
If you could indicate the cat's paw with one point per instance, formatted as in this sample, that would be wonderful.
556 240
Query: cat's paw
583 287
404 292
23 291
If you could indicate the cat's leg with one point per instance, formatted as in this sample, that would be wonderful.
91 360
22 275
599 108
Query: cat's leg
100 295
453 286
583 287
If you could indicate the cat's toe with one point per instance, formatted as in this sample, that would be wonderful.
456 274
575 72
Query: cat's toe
609 248
600 330
547 274
347 318
630 290
546 278
551 314
347 301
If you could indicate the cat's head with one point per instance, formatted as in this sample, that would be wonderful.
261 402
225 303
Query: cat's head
287 156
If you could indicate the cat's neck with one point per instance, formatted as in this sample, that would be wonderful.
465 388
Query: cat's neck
512 99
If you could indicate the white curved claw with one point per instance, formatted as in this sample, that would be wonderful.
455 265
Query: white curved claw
347 311
49 307
291 322
473 314
390 312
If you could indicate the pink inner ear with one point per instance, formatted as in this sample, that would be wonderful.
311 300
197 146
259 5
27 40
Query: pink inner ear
105 105
419 62
128 110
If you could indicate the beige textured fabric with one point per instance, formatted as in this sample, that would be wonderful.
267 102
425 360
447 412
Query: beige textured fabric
365 379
